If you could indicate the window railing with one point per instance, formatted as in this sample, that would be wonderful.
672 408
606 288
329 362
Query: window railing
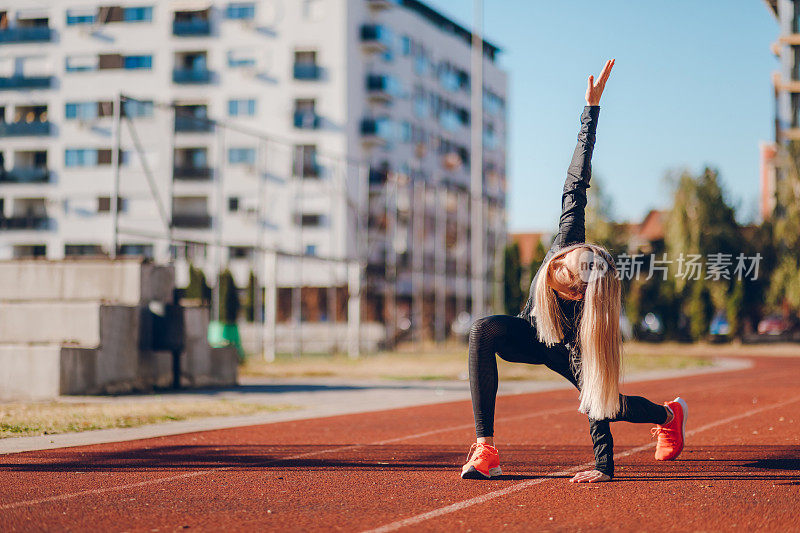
194 76
25 82
32 222
187 123
307 71
25 175
195 173
191 27
306 120
26 35
191 221
24 129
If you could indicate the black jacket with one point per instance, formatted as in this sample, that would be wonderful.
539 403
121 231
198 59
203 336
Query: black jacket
571 230
572 224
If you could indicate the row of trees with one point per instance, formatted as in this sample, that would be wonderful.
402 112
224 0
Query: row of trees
230 302
701 220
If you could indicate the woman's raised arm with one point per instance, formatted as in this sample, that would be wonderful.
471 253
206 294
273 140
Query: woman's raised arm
571 227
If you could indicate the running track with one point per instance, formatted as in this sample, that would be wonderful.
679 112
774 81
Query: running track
398 469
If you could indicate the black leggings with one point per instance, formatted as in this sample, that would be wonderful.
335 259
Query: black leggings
514 339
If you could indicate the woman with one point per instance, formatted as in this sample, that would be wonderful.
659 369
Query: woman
570 323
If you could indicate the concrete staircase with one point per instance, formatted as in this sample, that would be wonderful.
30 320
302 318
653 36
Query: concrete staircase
86 327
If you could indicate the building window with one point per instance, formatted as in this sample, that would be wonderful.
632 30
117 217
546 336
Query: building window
140 250
137 62
240 252
241 57
104 204
137 14
242 156
311 249
80 157
242 108
72 250
241 11
81 63
308 220
137 108
80 110
233 204
405 45
86 157
305 161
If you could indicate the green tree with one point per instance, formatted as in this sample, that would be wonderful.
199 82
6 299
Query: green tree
536 262
702 222
228 298
784 282
250 298
512 279
198 288
600 225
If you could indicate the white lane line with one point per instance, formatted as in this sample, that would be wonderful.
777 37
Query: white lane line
414 520
187 475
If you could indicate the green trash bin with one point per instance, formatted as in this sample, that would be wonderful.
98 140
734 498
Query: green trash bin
221 334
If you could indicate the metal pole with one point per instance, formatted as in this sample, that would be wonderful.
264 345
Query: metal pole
258 305
218 223
270 305
476 165
417 258
171 189
440 257
115 164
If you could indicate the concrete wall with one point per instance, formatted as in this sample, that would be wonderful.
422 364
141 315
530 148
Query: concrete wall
85 327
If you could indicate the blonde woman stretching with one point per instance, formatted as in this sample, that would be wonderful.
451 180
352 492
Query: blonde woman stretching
570 323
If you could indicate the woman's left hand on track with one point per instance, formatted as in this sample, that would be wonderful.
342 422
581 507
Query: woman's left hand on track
589 476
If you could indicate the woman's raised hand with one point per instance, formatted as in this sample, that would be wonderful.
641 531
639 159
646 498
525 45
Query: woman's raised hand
595 90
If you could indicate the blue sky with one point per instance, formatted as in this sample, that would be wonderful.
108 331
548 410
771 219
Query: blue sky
691 87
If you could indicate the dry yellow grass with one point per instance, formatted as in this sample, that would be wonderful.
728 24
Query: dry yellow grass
445 363
48 418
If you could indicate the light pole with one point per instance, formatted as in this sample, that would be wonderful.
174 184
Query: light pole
477 274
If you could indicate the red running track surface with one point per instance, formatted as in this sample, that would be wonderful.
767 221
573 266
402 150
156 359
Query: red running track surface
399 469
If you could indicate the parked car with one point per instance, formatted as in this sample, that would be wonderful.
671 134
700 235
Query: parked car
651 328
720 327
773 325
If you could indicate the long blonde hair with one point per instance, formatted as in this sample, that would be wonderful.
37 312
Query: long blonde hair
599 340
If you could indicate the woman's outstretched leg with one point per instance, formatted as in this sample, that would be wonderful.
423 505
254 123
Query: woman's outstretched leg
512 338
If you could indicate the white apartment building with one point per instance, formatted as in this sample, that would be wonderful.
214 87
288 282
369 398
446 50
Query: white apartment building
285 124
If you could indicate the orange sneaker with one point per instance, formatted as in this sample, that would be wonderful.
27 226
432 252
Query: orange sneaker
483 462
672 436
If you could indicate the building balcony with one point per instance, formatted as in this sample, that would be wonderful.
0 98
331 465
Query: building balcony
193 124
25 82
306 120
307 71
191 221
192 173
376 131
21 175
381 88
375 38
28 222
34 34
192 76
24 129
190 28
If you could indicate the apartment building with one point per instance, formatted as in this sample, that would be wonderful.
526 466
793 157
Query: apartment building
786 83
291 125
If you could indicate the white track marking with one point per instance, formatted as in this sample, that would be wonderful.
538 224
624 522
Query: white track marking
188 475
414 520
